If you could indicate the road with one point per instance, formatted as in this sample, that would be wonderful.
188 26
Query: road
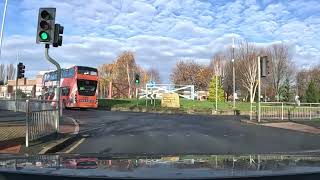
128 132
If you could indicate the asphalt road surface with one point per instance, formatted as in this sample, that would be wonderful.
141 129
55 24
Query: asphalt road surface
128 132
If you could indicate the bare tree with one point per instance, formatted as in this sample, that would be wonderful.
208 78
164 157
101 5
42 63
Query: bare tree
154 75
125 65
280 62
190 72
11 72
246 55
2 72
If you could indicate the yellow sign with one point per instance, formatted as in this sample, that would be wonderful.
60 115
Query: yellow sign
170 100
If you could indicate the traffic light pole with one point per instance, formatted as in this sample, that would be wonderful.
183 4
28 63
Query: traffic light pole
259 89
15 94
51 60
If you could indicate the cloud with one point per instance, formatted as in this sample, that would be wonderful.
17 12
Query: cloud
160 32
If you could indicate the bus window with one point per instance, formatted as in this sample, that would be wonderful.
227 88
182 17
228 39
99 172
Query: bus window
87 71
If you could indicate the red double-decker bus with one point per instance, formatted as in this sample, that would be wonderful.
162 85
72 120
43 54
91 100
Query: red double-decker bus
78 87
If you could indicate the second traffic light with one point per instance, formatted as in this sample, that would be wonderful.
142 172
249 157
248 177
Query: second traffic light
58 31
20 70
46 25
137 79
264 65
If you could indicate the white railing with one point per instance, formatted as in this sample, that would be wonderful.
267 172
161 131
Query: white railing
289 111
155 91
41 116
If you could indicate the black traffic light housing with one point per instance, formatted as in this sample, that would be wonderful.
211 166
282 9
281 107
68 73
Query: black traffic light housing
20 70
46 25
264 65
58 31
137 78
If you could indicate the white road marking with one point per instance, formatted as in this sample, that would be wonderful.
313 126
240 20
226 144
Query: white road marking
112 135
131 135
169 134
75 146
206 135
187 134
76 129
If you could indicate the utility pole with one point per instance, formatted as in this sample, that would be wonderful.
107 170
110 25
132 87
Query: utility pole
233 77
2 25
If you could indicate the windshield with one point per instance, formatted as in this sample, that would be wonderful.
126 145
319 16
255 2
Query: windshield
159 77
86 87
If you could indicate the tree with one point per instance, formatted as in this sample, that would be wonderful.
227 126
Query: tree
2 73
285 91
303 79
312 93
280 62
191 73
21 94
11 72
126 65
154 75
212 89
246 64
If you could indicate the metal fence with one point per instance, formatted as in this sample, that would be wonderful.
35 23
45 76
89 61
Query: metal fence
288 111
41 117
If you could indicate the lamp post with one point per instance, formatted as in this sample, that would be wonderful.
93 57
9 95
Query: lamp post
2 25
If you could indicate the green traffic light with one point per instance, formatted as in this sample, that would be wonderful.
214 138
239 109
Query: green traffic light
44 36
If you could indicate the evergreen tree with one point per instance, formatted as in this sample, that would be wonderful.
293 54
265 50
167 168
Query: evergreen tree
312 94
285 93
212 89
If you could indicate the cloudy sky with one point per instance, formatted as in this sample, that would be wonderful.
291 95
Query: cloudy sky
159 32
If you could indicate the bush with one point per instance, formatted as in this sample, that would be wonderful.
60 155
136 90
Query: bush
21 94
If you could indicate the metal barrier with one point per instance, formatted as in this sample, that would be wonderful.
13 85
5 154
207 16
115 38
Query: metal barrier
289 111
41 116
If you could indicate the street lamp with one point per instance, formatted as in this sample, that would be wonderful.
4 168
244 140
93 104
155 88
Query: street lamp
2 25
233 76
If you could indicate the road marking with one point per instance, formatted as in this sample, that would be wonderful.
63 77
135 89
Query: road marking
76 129
75 146
206 135
169 134
225 135
112 135
131 135
187 134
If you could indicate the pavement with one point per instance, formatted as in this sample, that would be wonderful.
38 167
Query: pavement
128 132
12 133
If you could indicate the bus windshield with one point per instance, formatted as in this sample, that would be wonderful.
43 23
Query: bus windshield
86 87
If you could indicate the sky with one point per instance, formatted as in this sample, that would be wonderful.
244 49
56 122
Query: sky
159 32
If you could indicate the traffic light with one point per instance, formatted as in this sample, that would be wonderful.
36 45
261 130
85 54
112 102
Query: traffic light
264 65
46 25
137 79
57 41
21 70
